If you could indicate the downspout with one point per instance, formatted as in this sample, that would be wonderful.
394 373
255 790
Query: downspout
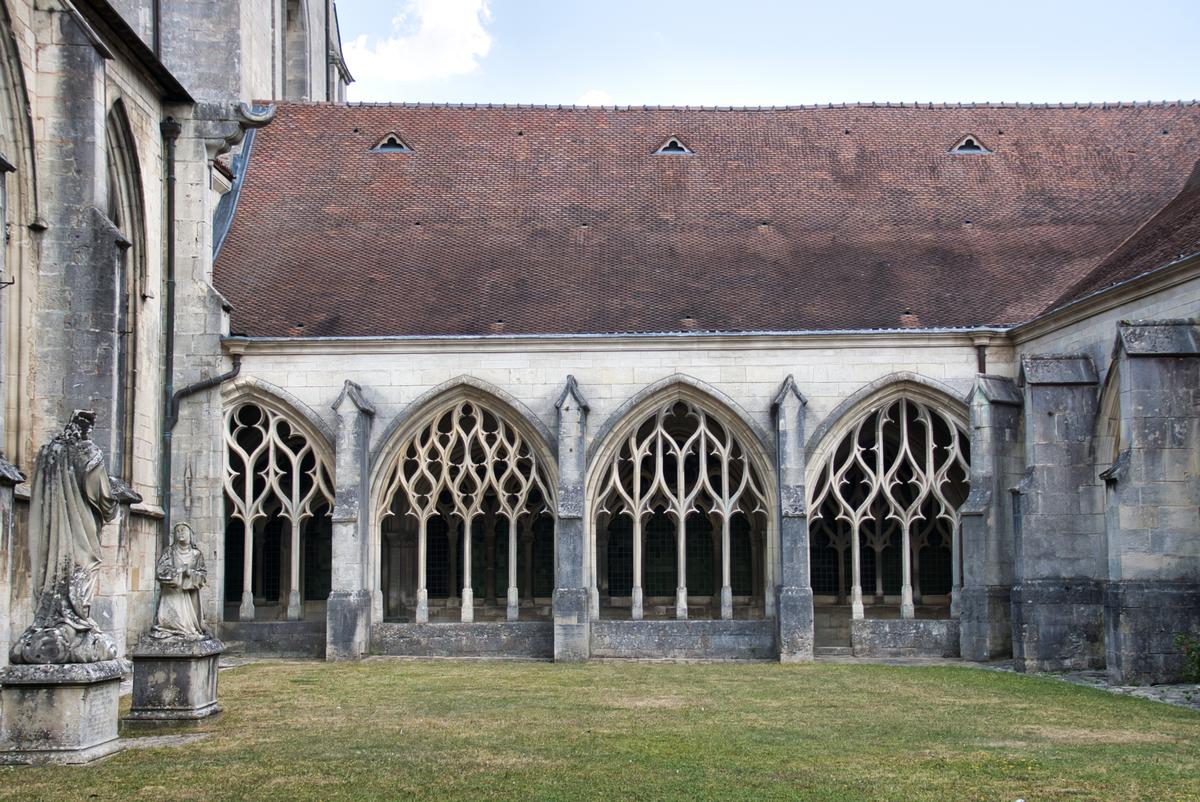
328 48
170 133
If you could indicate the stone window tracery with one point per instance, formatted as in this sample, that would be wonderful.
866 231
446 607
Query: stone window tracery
675 487
888 496
473 470
275 482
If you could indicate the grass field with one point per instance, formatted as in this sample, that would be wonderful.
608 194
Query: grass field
394 729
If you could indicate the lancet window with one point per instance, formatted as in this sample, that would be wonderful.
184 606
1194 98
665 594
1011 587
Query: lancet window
681 519
278 494
885 509
467 503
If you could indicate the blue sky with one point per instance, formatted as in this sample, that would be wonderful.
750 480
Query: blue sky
769 53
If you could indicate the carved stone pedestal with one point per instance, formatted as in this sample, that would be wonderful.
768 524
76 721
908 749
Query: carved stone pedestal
59 713
174 682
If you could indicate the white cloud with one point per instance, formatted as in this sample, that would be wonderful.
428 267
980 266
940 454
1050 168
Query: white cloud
430 39
594 97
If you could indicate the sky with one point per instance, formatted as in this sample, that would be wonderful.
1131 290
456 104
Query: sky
697 52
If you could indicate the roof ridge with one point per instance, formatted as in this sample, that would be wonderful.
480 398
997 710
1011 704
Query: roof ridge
1106 105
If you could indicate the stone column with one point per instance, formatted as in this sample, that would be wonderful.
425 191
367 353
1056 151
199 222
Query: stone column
795 610
348 613
295 607
572 630
1152 424
1058 597
681 569
986 548
512 608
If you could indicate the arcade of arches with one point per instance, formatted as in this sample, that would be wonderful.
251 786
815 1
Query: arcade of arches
680 519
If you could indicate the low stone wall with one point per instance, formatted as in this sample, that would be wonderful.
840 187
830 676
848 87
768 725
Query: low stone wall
716 640
534 639
1141 622
273 638
904 637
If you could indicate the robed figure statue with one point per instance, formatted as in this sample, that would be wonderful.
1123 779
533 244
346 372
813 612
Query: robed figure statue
70 501
181 574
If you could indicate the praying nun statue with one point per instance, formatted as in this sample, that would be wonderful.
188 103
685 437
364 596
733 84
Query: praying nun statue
181 574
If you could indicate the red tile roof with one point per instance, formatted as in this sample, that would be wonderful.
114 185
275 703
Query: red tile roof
562 220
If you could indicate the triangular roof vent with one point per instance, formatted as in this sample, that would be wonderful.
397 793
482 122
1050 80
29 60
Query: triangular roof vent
392 143
969 144
672 147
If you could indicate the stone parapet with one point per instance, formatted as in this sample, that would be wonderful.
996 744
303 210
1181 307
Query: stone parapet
692 640
904 637
522 639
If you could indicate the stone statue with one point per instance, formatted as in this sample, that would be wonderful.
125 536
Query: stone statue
70 500
181 574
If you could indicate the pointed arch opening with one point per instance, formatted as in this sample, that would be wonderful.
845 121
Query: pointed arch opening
126 211
278 505
885 491
680 497
464 514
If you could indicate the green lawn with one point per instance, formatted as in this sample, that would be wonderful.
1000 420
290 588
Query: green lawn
394 729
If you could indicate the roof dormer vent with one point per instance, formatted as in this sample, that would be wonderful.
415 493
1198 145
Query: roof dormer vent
969 144
672 147
392 143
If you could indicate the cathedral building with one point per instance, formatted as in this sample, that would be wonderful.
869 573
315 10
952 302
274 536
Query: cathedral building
568 382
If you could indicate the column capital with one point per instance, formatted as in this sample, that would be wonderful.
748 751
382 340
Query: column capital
352 393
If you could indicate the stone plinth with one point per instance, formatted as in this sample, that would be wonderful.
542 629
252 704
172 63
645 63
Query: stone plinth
59 713
174 681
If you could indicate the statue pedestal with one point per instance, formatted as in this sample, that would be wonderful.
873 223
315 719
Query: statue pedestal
59 713
174 682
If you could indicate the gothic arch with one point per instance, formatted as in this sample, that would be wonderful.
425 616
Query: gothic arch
18 265
464 455
732 437
885 388
264 393
279 495
887 474
126 211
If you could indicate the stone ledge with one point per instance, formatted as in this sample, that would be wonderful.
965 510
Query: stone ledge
905 637
59 757
177 648
65 674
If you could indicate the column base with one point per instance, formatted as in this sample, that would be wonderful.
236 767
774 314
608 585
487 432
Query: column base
174 682
985 625
513 606
572 626
246 611
59 713
907 608
295 611
635 606
795 625
423 606
726 603
681 604
347 625
468 605
857 611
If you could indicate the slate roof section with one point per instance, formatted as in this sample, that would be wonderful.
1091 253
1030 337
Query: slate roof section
1173 233
563 221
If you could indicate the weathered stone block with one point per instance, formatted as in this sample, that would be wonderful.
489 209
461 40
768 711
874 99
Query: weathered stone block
174 681
59 713
985 625
525 639
1058 624
904 637
796 625
1141 621
695 640
571 628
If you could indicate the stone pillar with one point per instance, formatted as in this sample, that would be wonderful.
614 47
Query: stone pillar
1152 444
348 614
572 631
795 609
986 547
1058 543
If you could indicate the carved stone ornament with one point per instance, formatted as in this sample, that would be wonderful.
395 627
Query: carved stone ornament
70 500
181 574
